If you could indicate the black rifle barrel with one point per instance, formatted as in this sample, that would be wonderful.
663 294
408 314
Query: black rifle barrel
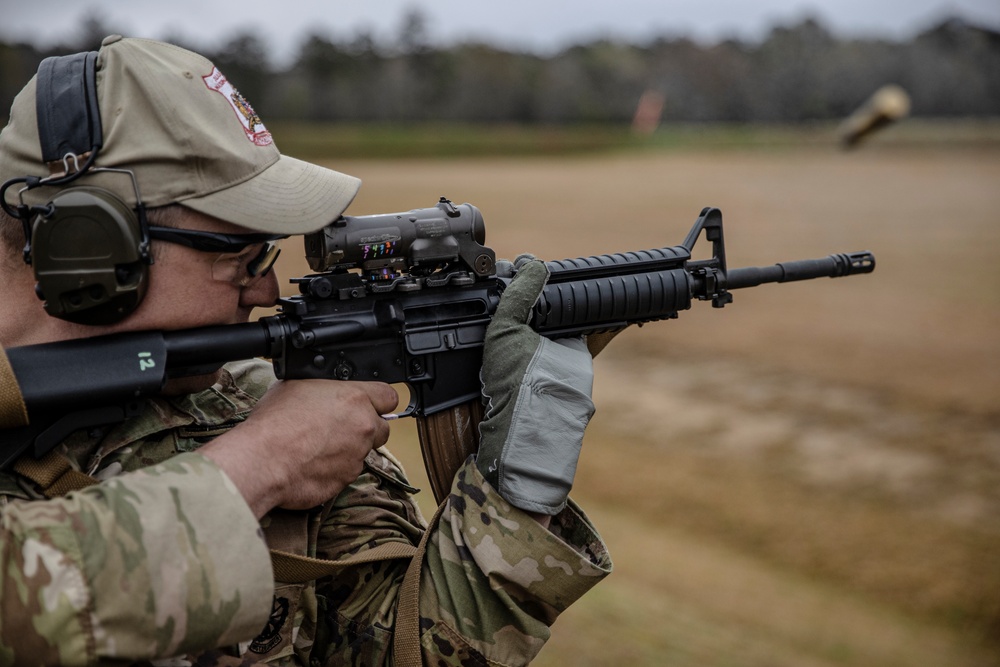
833 266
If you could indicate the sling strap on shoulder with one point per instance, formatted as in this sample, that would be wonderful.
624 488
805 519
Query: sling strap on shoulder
53 474
13 412
293 568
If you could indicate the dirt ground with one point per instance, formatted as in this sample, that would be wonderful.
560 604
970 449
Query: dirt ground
811 475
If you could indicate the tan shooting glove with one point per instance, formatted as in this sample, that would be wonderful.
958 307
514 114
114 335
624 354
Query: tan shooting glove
538 400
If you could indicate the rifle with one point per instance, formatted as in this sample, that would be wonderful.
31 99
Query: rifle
398 298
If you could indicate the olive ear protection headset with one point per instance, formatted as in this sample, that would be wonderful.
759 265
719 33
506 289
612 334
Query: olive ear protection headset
88 248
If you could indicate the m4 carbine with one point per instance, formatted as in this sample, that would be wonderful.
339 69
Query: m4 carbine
398 298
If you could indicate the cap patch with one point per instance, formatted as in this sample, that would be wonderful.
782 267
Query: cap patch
252 125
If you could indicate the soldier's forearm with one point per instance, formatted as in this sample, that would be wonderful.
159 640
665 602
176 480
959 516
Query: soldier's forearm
86 578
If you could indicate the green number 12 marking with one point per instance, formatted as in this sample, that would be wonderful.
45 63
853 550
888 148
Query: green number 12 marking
145 363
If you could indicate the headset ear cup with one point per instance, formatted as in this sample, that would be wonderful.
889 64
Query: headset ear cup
86 254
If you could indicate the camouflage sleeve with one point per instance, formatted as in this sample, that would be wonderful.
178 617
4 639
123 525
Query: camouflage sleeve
492 583
123 570
494 580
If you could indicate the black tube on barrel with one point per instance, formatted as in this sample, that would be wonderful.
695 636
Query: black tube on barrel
833 266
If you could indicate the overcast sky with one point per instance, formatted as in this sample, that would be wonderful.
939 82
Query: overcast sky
542 25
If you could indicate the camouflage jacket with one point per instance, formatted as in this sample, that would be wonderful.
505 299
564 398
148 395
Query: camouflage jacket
165 559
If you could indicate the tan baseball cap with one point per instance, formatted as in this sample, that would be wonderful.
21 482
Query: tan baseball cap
173 119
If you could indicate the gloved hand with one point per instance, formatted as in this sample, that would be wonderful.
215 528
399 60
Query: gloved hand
538 400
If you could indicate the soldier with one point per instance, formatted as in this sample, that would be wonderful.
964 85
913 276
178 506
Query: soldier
166 554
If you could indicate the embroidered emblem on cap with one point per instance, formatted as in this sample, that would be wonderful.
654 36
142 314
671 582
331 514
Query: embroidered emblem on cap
252 125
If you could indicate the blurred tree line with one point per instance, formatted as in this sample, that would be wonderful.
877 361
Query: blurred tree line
800 72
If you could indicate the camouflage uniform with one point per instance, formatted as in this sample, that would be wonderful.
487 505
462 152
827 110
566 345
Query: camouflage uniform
168 559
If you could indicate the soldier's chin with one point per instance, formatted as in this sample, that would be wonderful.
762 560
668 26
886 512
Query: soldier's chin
191 384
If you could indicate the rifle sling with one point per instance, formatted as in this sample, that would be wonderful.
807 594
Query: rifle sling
13 412
53 473
598 341
56 477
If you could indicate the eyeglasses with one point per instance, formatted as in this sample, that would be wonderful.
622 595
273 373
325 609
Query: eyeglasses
243 258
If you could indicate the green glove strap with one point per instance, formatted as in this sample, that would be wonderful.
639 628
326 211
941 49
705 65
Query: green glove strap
539 404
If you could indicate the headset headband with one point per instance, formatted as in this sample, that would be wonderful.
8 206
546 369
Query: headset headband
69 119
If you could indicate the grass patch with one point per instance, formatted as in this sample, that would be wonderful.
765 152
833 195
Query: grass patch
321 140
318 141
